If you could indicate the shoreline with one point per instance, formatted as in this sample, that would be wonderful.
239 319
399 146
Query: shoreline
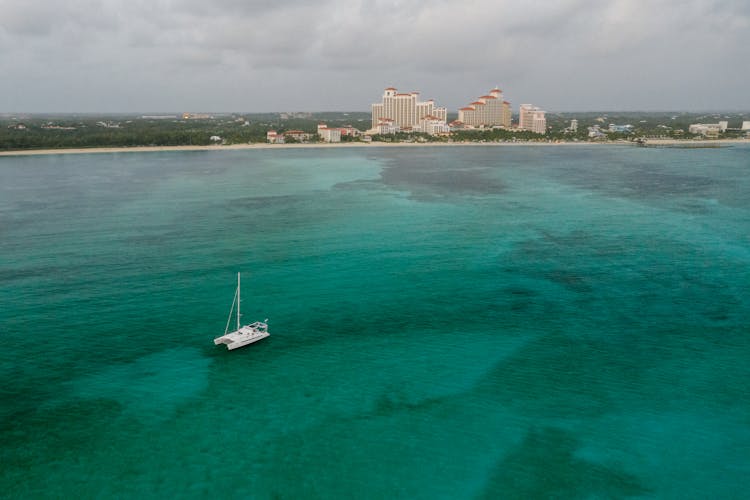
241 147
694 142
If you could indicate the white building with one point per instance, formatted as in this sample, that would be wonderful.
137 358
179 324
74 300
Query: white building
405 110
329 134
433 125
297 135
350 131
385 126
623 129
595 132
532 118
710 130
746 125
539 123
488 111
274 137
574 125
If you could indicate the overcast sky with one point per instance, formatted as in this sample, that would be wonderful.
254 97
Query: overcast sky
329 55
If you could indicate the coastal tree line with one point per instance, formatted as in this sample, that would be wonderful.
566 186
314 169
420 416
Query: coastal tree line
89 131
53 132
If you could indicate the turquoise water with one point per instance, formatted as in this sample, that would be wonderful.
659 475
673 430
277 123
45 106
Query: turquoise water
516 322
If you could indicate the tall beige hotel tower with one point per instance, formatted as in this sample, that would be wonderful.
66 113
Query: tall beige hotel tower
532 118
487 111
406 110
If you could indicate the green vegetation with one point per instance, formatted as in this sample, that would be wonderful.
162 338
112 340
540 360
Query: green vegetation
83 131
497 135
408 137
92 131
668 125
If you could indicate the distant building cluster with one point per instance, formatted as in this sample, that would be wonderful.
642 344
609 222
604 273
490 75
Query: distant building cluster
713 130
297 115
274 137
622 129
406 112
324 132
595 132
108 124
197 116
53 126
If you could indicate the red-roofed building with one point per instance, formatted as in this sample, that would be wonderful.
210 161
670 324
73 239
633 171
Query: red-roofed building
405 110
386 126
274 137
329 134
432 125
334 134
457 125
488 111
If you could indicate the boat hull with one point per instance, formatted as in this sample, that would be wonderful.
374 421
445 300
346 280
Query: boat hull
242 343
240 338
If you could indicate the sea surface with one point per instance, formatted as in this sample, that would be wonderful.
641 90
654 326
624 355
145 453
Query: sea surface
464 322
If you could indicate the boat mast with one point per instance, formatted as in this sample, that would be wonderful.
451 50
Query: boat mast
238 301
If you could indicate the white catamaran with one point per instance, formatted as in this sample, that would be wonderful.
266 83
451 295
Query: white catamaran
243 335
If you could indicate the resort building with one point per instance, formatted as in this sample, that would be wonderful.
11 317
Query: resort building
457 125
622 129
350 131
404 110
532 118
329 134
595 132
274 137
488 111
709 130
385 126
334 134
297 135
433 125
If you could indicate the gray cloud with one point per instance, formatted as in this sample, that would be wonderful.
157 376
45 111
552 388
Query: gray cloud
138 55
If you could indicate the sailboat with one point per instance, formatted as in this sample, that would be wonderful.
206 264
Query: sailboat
243 335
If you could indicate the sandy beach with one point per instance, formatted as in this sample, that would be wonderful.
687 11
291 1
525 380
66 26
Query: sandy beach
695 142
235 147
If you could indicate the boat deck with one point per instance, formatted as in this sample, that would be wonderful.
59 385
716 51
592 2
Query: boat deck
242 337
